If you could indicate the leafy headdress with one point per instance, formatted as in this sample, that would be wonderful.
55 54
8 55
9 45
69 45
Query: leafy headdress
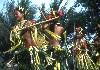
22 10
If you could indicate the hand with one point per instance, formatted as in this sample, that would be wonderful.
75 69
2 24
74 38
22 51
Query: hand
45 26
58 29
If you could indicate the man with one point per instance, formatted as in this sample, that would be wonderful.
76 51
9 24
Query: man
26 32
81 49
55 27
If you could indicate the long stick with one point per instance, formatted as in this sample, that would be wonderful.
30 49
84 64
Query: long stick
42 22
47 20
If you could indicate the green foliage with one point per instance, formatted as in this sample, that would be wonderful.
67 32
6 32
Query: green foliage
4 34
69 20
55 5
92 10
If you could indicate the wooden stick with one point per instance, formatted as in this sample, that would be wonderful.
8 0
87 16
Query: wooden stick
42 22
47 20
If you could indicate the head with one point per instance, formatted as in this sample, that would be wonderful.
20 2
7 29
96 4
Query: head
79 32
19 14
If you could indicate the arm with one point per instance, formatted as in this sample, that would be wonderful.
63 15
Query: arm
58 30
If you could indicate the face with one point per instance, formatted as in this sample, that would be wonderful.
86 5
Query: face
79 32
18 15
78 29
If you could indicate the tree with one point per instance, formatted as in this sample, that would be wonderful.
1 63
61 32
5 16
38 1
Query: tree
47 57
4 40
92 11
